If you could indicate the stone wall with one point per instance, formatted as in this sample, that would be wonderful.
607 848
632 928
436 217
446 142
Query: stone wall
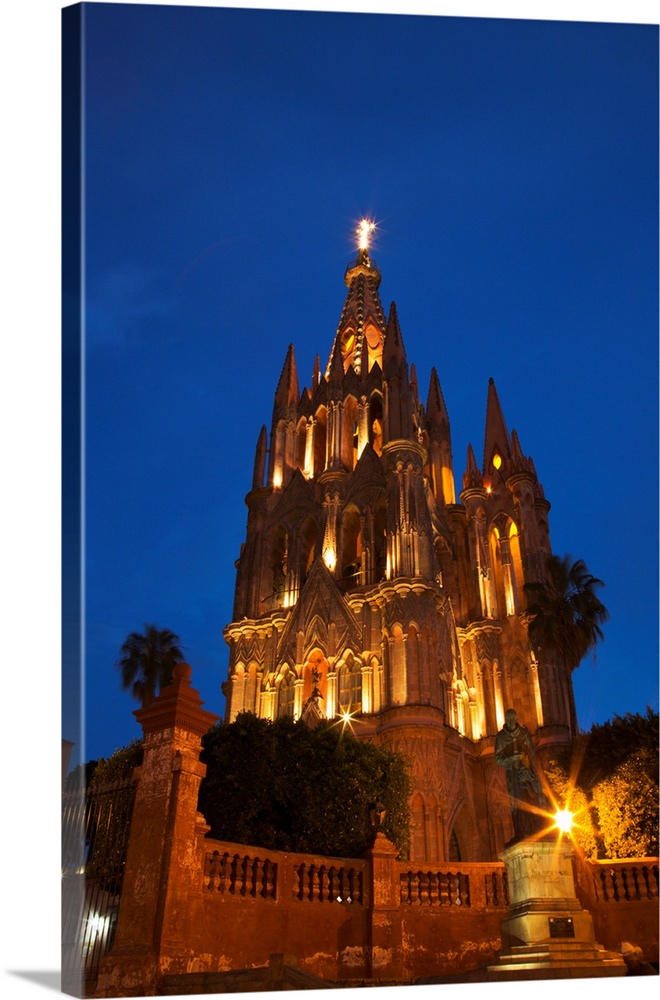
622 897
193 906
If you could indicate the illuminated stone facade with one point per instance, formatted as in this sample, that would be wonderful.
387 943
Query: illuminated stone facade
365 587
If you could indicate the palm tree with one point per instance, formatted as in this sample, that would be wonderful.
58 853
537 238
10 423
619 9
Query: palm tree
566 612
147 660
565 615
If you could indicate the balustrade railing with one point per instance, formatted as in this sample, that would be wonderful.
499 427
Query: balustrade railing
435 888
496 889
240 875
617 881
329 884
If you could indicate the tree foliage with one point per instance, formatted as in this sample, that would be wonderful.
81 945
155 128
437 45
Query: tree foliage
614 768
118 767
147 660
285 786
566 613
627 807
608 745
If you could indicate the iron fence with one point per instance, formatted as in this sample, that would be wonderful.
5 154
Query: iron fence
95 829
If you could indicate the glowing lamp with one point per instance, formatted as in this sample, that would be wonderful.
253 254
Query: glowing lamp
330 559
364 231
564 820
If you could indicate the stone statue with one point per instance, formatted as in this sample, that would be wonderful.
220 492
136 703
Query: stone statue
515 752
312 712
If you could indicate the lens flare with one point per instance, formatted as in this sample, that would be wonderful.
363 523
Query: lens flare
364 231
564 820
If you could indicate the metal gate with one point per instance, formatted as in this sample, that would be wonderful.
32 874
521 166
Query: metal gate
95 828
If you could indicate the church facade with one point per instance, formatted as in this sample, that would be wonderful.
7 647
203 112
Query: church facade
369 592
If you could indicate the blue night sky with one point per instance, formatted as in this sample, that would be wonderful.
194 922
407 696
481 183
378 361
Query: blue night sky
512 168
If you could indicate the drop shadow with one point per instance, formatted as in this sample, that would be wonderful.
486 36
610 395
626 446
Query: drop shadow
49 980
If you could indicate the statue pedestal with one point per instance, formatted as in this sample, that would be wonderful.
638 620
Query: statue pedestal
546 933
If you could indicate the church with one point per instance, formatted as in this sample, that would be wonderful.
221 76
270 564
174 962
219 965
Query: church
370 592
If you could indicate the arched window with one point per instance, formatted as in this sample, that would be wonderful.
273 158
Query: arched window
454 848
507 566
376 423
286 696
516 561
307 543
413 678
280 565
380 541
374 339
250 695
496 566
350 433
320 439
347 347
301 444
237 691
397 667
351 548
350 686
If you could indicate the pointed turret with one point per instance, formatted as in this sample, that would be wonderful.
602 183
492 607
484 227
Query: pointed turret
282 433
260 459
361 329
472 478
414 387
335 372
519 462
394 353
398 422
437 418
497 443
287 393
316 374
440 457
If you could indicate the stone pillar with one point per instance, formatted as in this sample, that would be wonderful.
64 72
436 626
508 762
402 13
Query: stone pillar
308 471
385 957
332 699
367 688
160 892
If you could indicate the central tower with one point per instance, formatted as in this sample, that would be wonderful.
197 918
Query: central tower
365 590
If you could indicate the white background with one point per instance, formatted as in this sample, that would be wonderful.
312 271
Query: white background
29 256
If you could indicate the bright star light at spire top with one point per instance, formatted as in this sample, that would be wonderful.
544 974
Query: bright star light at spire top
364 231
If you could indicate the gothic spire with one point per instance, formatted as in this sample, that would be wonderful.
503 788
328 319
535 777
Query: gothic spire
414 385
260 459
398 421
316 374
440 457
472 478
335 371
497 443
361 329
436 410
519 462
287 393
394 353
